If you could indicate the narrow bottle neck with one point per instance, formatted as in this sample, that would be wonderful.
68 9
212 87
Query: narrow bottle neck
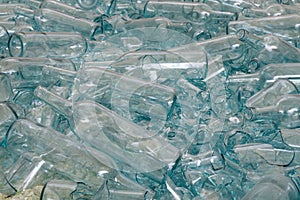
250 39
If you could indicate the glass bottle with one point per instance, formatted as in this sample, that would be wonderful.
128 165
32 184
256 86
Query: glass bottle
116 24
261 156
69 10
45 152
179 69
144 103
31 72
273 10
194 12
224 6
268 75
269 49
284 27
285 111
234 53
270 95
50 44
107 132
99 51
159 65
51 20
273 186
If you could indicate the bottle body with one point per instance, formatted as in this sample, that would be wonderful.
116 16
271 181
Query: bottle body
285 112
284 26
67 9
51 44
69 159
50 20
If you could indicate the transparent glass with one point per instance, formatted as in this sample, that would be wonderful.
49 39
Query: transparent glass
269 49
4 37
199 15
6 92
284 26
267 76
134 151
195 12
114 190
51 44
145 103
87 4
270 95
291 137
234 53
151 38
50 20
261 155
102 51
67 9
285 111
8 9
117 24
31 72
58 189
178 69
52 152
8 116
273 186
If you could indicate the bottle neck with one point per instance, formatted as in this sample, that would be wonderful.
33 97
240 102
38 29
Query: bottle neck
250 39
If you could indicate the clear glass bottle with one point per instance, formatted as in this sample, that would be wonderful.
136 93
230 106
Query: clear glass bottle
271 94
32 72
45 152
116 24
273 10
69 10
144 103
269 49
194 12
285 27
268 75
50 44
285 111
107 132
51 20
179 69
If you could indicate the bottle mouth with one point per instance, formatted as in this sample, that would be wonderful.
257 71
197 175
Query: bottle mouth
87 4
241 34
16 45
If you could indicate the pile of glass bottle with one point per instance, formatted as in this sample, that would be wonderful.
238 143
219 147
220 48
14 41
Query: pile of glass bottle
136 99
